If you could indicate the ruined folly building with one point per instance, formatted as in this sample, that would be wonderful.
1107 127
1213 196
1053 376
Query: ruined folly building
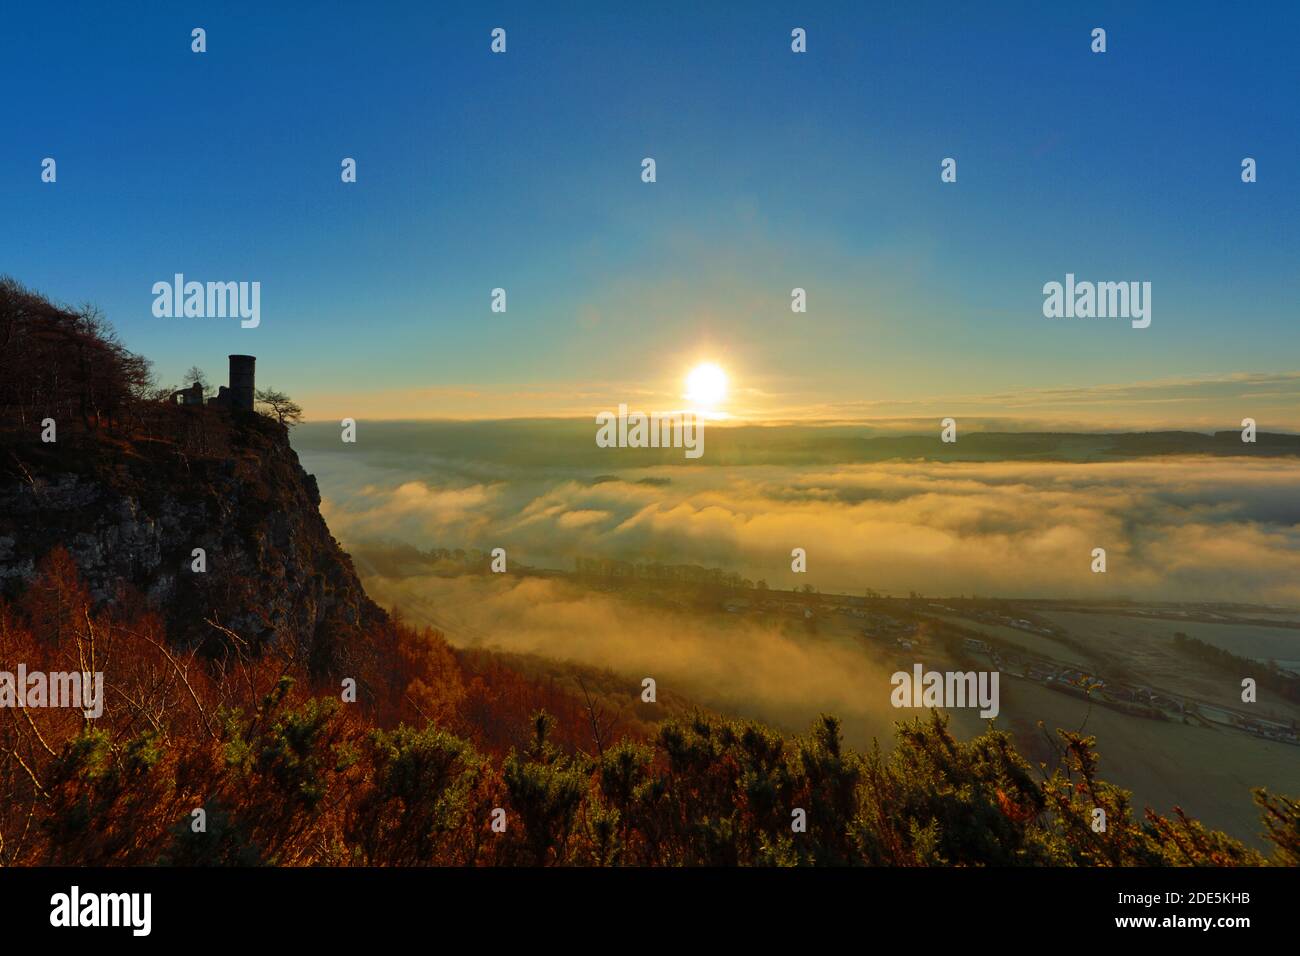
239 395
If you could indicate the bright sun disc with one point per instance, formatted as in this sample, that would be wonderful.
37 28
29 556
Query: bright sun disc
706 385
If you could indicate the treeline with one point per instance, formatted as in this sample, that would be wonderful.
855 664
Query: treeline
1266 675
613 568
64 364
438 746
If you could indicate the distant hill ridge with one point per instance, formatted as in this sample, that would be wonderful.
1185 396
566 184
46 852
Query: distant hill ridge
543 442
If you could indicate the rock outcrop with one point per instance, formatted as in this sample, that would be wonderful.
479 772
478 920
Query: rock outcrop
133 510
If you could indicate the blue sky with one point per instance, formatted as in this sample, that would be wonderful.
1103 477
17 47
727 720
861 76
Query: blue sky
775 170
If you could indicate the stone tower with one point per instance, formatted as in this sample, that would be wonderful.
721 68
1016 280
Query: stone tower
242 382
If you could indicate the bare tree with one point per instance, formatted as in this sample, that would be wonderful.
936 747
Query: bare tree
196 374
279 406
596 714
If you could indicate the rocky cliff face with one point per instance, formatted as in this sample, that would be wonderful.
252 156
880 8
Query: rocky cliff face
132 511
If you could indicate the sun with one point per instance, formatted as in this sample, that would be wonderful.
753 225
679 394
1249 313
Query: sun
706 385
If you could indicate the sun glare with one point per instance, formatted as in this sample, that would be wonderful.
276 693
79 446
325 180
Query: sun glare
706 385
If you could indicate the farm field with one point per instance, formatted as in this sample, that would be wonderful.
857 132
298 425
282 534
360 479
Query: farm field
1032 643
1146 647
